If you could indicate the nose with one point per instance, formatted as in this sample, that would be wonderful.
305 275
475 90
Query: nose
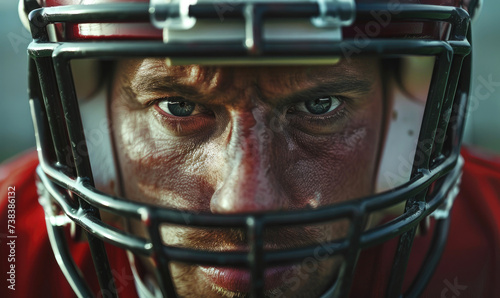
250 182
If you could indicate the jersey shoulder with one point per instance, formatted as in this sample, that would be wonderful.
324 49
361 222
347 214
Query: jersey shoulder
19 170
35 269
31 262
480 184
17 183
470 265
484 161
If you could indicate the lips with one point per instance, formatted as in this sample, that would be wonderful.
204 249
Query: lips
239 280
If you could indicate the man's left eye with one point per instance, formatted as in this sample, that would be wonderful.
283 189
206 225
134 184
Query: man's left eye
178 108
319 106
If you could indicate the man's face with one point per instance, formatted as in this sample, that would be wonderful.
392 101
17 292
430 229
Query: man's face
228 140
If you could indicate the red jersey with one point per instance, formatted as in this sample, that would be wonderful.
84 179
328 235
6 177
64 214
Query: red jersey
36 272
470 264
469 267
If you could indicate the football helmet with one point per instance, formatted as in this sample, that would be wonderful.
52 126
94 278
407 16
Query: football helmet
73 40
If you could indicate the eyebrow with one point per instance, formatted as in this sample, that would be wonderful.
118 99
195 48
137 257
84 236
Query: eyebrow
341 86
170 84
163 84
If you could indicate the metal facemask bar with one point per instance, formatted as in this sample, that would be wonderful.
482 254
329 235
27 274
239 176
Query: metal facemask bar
66 175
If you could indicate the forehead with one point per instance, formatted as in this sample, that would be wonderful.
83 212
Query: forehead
144 75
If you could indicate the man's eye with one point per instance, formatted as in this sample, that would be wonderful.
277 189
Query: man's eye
319 106
178 108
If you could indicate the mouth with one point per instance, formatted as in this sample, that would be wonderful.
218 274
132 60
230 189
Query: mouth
239 279
228 281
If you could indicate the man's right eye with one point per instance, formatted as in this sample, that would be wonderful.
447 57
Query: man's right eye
178 107
181 117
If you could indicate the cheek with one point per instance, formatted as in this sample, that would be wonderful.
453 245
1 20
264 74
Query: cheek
339 167
156 168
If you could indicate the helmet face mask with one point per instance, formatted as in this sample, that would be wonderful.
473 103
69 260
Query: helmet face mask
73 187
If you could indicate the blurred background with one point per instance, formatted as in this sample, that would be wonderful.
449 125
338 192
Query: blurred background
16 130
